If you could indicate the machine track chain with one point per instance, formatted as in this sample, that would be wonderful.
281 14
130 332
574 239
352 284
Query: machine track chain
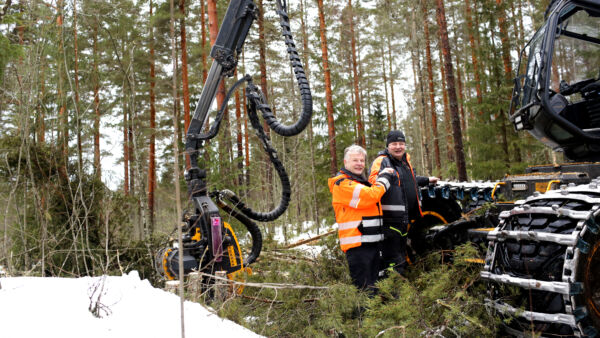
469 195
543 263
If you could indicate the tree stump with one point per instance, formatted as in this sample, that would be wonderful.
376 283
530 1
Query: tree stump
171 286
195 285
221 287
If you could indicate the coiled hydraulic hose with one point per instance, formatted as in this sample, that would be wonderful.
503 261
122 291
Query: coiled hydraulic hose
257 102
305 94
250 225
214 129
254 99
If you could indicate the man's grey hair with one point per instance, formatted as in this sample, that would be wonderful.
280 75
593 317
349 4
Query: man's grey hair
354 149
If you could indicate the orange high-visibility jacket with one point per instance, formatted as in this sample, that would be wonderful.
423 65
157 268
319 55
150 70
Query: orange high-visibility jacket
357 210
393 202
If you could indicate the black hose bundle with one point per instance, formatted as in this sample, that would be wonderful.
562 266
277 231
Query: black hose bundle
257 102
250 225
305 95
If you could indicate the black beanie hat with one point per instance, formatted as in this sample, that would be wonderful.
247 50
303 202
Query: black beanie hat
395 136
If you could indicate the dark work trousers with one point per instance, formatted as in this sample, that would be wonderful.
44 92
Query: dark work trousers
363 262
394 249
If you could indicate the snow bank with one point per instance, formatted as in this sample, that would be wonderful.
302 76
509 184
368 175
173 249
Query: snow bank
129 307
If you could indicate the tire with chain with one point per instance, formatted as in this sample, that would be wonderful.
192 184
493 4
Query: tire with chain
543 264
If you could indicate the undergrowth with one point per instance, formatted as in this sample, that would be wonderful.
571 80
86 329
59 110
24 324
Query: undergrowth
434 299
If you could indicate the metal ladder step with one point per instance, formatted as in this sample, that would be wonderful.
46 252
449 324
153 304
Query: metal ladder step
534 284
527 209
559 195
534 316
562 239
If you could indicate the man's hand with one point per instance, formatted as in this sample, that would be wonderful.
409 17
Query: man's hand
386 177
433 179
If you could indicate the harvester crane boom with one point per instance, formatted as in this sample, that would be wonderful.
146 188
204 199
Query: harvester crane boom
208 239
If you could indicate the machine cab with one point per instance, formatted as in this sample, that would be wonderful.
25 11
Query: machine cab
557 91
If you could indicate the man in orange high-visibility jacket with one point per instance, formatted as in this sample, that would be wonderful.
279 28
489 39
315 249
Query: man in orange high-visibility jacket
401 203
358 215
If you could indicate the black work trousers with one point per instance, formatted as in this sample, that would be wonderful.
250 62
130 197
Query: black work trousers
364 262
394 249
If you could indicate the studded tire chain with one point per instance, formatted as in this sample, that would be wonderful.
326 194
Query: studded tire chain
543 264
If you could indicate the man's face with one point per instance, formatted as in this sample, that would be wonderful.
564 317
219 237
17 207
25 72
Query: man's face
355 163
397 149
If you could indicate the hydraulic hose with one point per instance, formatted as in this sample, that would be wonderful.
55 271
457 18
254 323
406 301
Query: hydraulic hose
252 229
305 94
254 99
214 128
256 102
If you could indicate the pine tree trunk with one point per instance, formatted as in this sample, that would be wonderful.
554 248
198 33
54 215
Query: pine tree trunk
152 150
262 64
204 54
213 23
447 118
76 76
436 143
246 146
461 97
125 146
262 51
504 41
63 114
521 28
387 103
130 146
310 125
500 115
238 124
418 81
41 123
394 121
418 107
203 40
457 133
184 74
328 95
97 165
461 101
474 59
361 129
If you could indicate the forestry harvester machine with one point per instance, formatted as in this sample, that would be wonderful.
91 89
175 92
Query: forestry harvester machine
542 265
209 243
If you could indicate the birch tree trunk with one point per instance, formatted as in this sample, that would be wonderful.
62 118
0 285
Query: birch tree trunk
176 146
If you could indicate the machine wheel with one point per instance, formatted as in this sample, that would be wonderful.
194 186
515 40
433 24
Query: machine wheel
543 264
436 211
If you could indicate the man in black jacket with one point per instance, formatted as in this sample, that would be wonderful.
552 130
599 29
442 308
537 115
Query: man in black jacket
400 204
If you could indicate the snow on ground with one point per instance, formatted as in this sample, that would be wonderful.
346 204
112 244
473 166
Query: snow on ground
129 307
307 230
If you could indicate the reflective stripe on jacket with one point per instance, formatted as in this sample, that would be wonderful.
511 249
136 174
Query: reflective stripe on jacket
393 202
357 210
